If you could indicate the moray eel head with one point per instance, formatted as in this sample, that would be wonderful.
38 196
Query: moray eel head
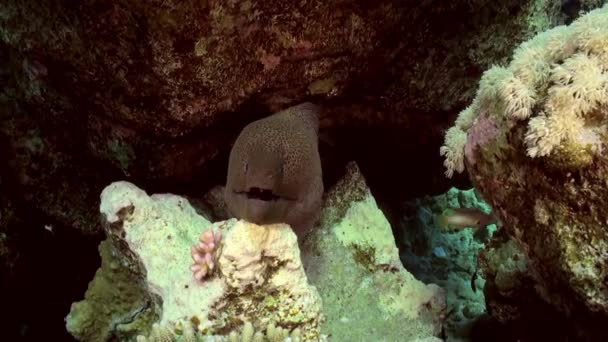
274 170
258 193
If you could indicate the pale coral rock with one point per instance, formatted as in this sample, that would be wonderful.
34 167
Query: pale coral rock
259 279
353 260
157 232
354 285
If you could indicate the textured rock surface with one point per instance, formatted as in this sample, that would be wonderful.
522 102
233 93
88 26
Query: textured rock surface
512 297
542 165
260 278
115 302
353 260
150 89
505 266
447 258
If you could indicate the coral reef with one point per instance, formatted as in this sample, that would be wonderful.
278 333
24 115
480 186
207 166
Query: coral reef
557 82
533 143
353 260
259 277
512 298
148 90
115 302
155 91
455 52
505 265
246 334
448 259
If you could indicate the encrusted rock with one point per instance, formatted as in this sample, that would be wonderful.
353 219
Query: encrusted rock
260 278
353 260
533 143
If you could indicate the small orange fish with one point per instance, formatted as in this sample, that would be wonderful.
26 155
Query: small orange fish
453 219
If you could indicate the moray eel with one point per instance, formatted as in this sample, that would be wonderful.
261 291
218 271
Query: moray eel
274 170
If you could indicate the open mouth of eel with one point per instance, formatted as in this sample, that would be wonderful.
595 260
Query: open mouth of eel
260 194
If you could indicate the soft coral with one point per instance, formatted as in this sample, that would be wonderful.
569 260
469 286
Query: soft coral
203 254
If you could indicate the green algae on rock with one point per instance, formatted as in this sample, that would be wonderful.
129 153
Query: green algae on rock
151 238
354 262
260 278
116 303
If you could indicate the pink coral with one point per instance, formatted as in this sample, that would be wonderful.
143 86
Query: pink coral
203 254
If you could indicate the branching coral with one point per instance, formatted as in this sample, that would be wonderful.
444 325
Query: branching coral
204 253
558 81
184 332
